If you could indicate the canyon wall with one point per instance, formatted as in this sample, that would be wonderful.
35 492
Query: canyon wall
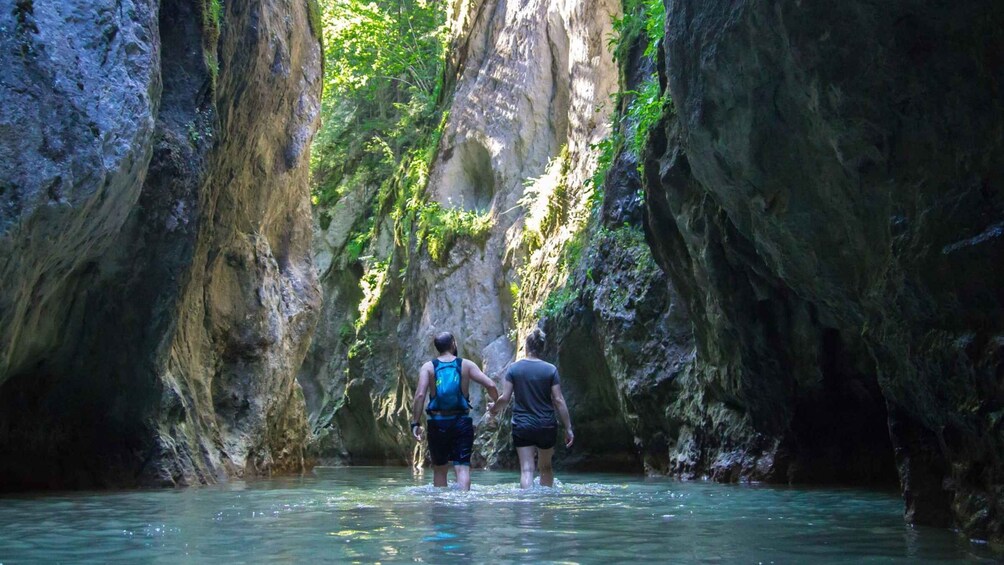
532 86
157 290
827 199
801 285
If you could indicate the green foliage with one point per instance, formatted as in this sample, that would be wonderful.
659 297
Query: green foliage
645 111
630 239
346 332
645 21
362 347
635 261
324 220
212 17
607 150
543 223
557 300
646 17
441 227
359 239
383 69
654 16
371 45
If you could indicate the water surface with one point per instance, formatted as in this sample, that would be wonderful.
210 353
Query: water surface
390 515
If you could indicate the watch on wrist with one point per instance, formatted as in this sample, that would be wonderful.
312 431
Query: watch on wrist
414 425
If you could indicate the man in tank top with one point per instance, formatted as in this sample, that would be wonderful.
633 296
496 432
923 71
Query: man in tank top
535 387
447 380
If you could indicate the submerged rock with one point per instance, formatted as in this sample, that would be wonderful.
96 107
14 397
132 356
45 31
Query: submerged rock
157 290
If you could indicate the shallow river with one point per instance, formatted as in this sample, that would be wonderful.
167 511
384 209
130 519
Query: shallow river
389 515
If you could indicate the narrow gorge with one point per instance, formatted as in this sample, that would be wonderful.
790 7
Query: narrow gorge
764 238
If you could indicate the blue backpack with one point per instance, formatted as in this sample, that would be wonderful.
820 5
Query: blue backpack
449 399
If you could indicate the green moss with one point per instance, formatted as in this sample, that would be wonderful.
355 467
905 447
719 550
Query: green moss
212 18
372 284
315 19
361 347
555 211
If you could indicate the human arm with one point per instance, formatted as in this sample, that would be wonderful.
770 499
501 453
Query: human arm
418 403
476 375
500 403
558 400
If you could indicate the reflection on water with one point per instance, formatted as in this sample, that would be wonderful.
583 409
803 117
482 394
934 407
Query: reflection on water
388 515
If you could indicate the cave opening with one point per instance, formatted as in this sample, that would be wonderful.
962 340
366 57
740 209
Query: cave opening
64 430
841 426
471 178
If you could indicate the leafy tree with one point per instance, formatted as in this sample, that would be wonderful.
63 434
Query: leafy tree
383 67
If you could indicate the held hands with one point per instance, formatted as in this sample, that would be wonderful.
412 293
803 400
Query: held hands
569 437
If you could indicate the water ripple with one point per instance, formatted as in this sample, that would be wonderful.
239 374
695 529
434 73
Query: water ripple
389 515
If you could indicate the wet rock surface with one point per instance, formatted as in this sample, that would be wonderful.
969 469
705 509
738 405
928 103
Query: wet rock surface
158 290
828 203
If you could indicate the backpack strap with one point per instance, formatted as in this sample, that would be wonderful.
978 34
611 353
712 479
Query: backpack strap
435 377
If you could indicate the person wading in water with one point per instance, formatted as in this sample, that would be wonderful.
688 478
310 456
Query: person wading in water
537 390
447 379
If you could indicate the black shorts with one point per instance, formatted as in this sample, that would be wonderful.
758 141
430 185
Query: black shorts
451 440
541 438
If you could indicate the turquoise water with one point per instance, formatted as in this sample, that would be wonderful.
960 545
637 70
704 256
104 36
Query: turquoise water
389 515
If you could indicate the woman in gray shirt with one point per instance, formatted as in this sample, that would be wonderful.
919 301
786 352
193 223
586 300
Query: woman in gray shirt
535 387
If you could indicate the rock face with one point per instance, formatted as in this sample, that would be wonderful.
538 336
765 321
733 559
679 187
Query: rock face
157 290
532 94
829 204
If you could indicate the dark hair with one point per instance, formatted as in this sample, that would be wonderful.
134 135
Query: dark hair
535 342
445 343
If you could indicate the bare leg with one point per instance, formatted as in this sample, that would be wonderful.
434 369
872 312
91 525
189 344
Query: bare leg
526 465
463 476
439 475
544 463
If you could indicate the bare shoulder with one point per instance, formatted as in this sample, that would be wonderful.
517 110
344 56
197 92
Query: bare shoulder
470 367
426 367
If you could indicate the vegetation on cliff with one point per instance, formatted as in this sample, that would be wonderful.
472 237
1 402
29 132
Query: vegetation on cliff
639 108
383 66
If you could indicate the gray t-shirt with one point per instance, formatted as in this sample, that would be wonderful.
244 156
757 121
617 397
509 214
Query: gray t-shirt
531 383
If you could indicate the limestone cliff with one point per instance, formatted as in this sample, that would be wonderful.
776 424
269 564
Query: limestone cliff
157 290
828 202
532 86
